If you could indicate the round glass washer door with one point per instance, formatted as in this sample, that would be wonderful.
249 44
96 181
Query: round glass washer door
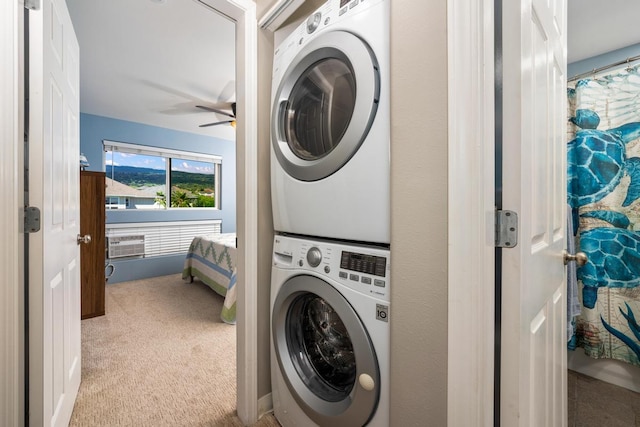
324 353
324 106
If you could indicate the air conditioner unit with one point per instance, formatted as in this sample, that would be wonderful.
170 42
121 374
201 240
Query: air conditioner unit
125 246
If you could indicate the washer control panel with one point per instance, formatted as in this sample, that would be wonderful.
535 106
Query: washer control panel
360 267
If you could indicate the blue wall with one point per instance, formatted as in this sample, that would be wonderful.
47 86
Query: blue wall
603 60
94 129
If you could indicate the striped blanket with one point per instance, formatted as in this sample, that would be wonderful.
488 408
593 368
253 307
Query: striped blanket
212 259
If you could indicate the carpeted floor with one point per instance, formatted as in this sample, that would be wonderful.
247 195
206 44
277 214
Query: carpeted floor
161 356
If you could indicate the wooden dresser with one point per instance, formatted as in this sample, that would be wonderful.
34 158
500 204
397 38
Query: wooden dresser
92 255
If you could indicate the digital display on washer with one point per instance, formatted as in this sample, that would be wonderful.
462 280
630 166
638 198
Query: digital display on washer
343 2
361 263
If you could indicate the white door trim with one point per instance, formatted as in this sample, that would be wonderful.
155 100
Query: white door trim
247 72
471 213
243 12
11 249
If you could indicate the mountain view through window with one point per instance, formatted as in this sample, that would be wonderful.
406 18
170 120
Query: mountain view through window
140 181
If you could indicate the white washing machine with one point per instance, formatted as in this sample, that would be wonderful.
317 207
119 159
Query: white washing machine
330 124
329 333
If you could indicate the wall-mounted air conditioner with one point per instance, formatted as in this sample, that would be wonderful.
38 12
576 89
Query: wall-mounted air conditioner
125 246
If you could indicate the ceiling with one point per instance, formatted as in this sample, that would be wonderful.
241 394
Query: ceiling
153 61
596 27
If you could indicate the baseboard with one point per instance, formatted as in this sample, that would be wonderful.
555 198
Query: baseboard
265 405
607 370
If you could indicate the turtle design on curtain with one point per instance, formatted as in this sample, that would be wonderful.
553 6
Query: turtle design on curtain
604 194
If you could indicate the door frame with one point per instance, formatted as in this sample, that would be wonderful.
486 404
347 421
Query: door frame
11 251
471 193
243 12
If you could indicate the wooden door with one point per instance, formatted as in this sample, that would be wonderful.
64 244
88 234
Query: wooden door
53 184
534 359
92 255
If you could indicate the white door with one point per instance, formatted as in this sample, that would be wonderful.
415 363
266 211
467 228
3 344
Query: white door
534 368
54 256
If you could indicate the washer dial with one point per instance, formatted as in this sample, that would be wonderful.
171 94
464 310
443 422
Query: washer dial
314 257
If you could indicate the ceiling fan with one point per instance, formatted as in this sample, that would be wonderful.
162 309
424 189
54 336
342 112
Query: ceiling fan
232 122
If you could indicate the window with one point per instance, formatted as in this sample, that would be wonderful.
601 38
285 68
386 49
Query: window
142 177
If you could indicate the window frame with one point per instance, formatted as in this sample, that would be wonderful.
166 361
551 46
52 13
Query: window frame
169 155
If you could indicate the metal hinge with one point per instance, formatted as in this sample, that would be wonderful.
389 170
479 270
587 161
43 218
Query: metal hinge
506 229
31 219
32 4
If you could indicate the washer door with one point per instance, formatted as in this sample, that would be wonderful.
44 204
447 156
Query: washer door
324 106
324 353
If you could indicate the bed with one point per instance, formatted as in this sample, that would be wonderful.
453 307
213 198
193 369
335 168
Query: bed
212 259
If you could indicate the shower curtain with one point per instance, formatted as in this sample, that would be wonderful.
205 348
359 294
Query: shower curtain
604 196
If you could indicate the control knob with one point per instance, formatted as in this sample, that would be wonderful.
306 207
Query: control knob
313 22
314 257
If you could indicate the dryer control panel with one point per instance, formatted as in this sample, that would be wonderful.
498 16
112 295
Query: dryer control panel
331 14
360 267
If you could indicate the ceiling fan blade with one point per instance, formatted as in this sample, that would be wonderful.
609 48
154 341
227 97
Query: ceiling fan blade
216 123
228 91
215 110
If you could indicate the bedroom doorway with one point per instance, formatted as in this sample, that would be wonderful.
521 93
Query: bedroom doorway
242 13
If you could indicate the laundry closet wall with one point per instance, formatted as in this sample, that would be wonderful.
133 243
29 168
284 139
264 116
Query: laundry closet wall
604 110
419 213
418 208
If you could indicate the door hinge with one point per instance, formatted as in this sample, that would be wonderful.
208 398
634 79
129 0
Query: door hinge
31 219
32 4
506 229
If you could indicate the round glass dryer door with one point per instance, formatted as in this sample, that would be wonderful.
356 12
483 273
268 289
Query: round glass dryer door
324 106
325 353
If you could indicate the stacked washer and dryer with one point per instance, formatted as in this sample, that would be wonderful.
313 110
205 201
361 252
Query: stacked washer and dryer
330 282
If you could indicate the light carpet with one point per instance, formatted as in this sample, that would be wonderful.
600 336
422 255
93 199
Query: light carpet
160 356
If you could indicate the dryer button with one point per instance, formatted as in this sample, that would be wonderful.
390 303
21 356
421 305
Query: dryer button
354 277
366 382
343 275
300 263
379 282
366 280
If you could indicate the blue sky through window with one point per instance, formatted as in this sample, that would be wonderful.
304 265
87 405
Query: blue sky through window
153 162
135 160
192 166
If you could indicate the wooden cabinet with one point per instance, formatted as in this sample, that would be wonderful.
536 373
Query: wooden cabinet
92 255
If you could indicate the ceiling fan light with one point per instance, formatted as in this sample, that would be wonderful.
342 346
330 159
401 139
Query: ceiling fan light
233 123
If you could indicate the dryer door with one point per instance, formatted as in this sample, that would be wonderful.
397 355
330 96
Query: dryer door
325 353
325 105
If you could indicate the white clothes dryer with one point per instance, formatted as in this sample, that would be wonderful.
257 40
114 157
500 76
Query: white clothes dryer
330 333
330 124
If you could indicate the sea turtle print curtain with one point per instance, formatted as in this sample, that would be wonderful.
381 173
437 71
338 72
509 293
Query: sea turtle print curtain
604 196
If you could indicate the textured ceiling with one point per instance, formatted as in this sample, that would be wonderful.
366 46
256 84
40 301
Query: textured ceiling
597 27
152 62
